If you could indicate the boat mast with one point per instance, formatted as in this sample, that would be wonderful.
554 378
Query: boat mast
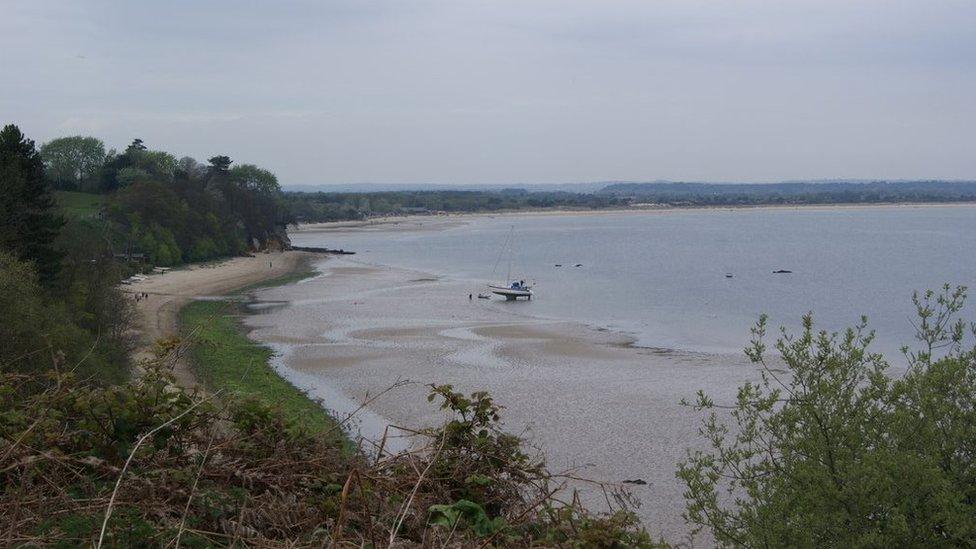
511 238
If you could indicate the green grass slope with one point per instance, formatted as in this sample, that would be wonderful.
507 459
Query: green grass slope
79 205
225 359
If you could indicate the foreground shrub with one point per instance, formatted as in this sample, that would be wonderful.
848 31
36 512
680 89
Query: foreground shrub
149 464
832 451
38 333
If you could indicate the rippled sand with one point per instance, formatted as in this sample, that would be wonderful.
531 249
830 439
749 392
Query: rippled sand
585 397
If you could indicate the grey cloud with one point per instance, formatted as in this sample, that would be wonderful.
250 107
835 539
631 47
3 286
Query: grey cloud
532 91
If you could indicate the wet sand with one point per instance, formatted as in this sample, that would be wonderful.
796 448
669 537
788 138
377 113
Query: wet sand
585 397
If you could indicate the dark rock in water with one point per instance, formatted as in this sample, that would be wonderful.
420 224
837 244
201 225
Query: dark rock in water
637 481
782 271
559 264
321 250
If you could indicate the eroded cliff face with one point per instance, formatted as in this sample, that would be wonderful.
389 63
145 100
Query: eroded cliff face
279 239
276 241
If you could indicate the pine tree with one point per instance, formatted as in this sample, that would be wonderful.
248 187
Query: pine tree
219 165
29 219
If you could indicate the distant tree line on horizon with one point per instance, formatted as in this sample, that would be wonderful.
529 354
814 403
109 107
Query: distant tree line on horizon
708 194
325 206
343 206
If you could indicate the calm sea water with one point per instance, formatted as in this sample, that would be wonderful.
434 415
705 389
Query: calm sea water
662 276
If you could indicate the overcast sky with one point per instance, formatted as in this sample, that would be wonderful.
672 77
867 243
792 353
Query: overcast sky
502 91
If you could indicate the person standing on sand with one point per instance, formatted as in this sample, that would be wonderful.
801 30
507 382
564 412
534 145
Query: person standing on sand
470 297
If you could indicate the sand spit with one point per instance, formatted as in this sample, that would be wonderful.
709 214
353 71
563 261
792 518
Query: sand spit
585 397
449 220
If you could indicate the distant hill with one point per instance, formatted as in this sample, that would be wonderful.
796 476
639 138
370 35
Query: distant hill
947 189
590 187
795 192
334 202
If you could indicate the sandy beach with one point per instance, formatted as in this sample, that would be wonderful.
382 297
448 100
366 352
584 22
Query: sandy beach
586 398
451 219
589 399
167 293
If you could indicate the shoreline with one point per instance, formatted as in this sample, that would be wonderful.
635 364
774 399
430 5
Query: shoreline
586 398
224 358
650 209
167 294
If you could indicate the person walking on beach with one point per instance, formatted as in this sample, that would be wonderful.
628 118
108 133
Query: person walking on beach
470 297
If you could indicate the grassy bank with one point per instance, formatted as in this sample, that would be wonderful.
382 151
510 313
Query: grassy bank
224 358
80 205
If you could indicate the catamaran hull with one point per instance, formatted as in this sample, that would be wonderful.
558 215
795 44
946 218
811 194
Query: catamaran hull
510 294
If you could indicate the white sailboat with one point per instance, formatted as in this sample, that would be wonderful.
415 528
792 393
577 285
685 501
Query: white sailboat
516 288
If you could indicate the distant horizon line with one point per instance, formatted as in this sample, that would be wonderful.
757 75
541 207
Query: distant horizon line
636 182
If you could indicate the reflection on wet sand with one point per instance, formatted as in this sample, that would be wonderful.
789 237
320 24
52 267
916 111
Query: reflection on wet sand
585 397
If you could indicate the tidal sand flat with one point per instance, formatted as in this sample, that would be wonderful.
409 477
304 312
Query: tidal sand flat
593 369
586 398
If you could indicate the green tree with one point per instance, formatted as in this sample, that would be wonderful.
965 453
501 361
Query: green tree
29 219
38 333
160 164
255 197
219 165
253 178
73 162
188 168
136 145
829 450
131 175
137 164
87 285
144 165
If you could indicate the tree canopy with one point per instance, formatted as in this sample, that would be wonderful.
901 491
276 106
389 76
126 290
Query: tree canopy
29 219
73 163
179 210
321 206
829 449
